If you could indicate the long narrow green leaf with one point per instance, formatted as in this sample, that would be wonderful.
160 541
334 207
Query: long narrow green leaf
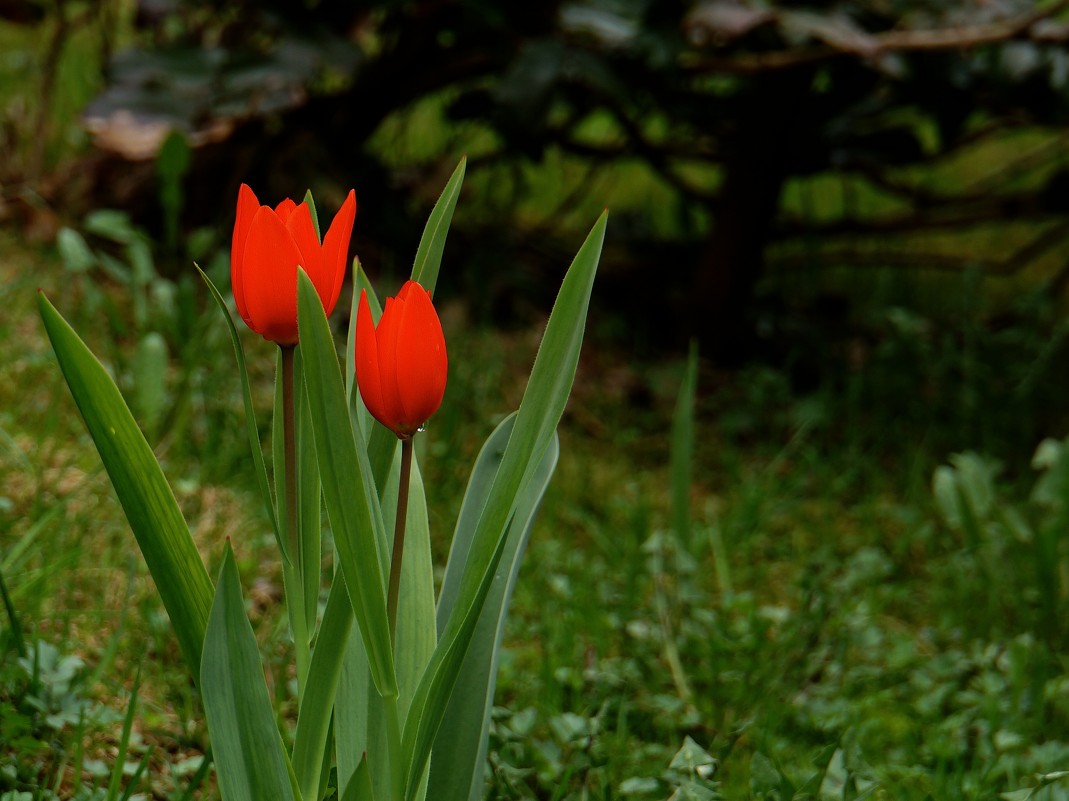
432 243
140 485
540 411
352 708
416 633
359 787
458 758
683 450
249 758
309 502
352 505
258 466
313 721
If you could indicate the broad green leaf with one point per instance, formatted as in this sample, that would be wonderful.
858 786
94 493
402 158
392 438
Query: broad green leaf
140 485
432 243
416 633
683 449
352 505
313 721
259 468
249 758
359 787
536 421
458 758
352 707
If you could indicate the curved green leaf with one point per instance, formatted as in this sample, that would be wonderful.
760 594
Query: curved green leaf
249 758
432 243
536 421
352 504
142 489
259 468
324 673
458 758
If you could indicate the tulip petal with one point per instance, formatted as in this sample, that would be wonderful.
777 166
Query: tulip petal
367 361
390 324
303 231
285 209
270 278
335 251
248 205
421 356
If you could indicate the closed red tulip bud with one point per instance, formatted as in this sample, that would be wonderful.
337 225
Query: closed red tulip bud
401 364
268 246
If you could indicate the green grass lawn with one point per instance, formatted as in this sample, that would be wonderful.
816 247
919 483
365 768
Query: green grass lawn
839 624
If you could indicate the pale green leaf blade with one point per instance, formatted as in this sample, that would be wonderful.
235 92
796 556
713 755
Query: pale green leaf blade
309 502
324 674
249 758
352 708
142 489
416 632
432 243
259 467
359 787
312 210
458 758
352 505
536 421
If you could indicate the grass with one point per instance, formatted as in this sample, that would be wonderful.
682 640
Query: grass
834 623
859 610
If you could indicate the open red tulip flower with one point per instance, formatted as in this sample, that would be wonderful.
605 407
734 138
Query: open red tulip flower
268 246
401 364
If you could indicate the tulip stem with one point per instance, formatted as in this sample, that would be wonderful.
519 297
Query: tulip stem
399 534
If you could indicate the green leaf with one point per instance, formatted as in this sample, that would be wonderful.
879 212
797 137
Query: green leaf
359 787
536 421
246 745
432 243
76 254
259 468
313 721
416 632
149 367
458 759
352 707
683 450
312 209
310 502
140 485
352 505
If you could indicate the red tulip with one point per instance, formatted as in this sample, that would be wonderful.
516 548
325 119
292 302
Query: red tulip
401 364
268 246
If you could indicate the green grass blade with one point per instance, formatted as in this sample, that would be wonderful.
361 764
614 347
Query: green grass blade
313 721
142 489
259 468
247 748
536 421
124 741
683 450
458 759
352 505
432 243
